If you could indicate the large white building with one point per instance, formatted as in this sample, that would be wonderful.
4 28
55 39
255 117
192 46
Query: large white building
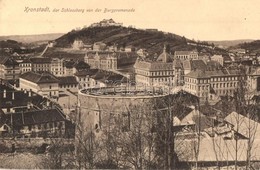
155 73
44 84
101 60
186 55
57 66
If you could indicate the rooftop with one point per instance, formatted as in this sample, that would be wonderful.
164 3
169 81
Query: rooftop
34 117
40 60
39 78
67 80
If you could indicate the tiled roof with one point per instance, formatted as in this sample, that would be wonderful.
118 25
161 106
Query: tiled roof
99 75
194 64
243 124
7 61
177 63
164 57
40 78
81 65
21 98
204 74
198 64
67 80
35 117
214 150
102 54
40 60
153 65
84 73
27 60
69 64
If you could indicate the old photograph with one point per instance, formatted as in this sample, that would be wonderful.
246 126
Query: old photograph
134 84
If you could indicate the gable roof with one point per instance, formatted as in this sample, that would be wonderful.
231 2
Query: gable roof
164 57
35 117
39 78
67 80
40 60
244 125
7 61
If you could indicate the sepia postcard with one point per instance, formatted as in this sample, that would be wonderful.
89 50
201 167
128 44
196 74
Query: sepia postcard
148 84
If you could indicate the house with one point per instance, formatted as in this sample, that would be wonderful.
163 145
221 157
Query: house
25 66
218 58
38 123
68 83
57 66
41 64
155 73
44 84
186 55
83 78
68 68
192 65
243 125
212 152
101 60
9 68
211 83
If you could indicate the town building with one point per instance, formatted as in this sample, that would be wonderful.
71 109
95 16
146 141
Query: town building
155 73
101 60
41 64
9 68
192 65
40 123
83 78
44 84
25 66
204 57
218 58
186 55
106 23
68 83
211 84
68 68
57 66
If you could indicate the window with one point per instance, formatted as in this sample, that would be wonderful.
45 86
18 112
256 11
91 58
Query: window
50 87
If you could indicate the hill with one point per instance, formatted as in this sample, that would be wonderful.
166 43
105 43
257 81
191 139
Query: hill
253 46
151 40
230 43
32 38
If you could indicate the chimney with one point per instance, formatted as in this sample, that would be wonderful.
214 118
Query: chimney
30 93
28 105
4 94
48 103
12 95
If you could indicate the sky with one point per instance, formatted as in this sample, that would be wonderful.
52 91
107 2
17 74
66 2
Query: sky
194 19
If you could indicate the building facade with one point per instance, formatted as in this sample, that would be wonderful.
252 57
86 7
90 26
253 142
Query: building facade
57 66
186 55
25 66
155 73
101 60
44 84
41 64
9 68
218 58
211 84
